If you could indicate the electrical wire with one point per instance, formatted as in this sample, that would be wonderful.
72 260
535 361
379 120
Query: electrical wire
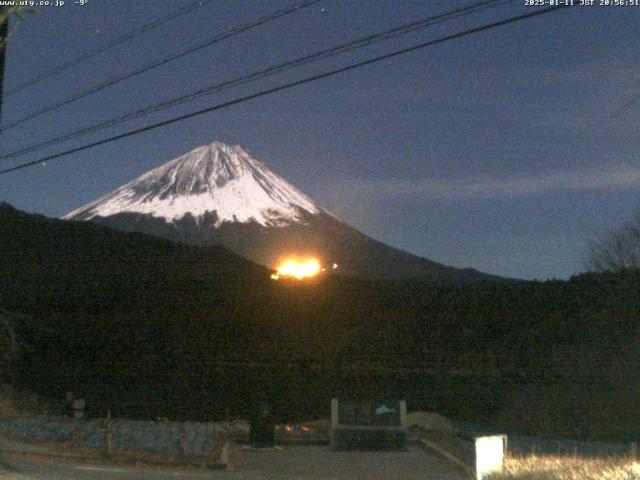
162 61
289 85
264 73
108 46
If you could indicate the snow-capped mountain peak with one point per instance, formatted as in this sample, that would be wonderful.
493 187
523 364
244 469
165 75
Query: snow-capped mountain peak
219 194
221 178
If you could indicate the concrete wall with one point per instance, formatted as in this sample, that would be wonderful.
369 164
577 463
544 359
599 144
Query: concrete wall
176 439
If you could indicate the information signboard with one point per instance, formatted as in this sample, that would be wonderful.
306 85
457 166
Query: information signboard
368 424
369 413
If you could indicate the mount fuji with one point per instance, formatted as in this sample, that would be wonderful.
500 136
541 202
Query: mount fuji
220 194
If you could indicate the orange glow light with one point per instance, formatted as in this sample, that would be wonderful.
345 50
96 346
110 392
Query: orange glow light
298 269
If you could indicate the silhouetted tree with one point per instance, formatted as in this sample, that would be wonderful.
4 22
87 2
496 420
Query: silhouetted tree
617 250
6 12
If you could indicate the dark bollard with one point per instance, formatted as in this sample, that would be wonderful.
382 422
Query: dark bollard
262 427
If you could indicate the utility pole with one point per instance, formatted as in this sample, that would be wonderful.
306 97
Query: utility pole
108 434
4 32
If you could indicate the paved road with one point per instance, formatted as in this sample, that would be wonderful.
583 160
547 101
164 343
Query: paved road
262 467
321 463
291 462
33 465
29 468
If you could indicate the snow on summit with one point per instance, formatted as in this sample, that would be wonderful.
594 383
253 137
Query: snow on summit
218 177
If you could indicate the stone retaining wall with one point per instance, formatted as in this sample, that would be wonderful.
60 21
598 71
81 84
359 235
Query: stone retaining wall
176 439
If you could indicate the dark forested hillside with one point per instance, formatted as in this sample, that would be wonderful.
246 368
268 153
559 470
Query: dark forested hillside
54 265
151 328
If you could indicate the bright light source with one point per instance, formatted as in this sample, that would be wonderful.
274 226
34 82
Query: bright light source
299 269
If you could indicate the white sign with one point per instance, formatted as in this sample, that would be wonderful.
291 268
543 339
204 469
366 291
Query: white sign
489 455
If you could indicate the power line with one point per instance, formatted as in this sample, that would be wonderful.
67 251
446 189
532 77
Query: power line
163 61
264 73
108 46
286 86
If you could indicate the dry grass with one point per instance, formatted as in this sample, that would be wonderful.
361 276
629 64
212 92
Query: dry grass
568 468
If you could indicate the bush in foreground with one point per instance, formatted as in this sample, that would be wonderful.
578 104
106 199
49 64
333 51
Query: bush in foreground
550 467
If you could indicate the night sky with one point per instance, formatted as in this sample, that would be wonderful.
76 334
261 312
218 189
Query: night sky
504 151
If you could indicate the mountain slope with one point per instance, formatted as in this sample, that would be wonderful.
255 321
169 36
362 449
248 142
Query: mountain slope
213 179
221 194
50 264
149 328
